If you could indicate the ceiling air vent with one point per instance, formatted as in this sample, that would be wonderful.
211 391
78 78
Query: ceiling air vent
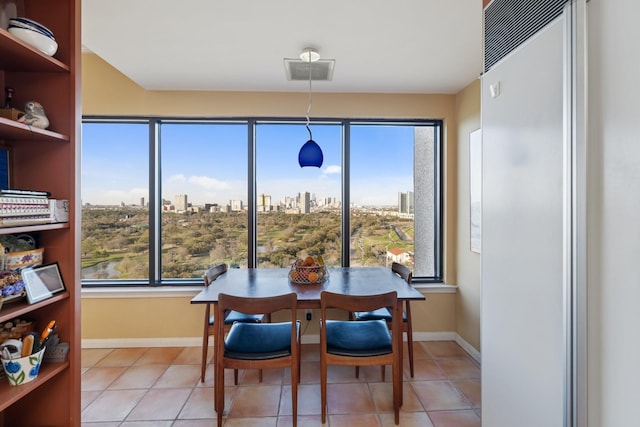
321 70
509 23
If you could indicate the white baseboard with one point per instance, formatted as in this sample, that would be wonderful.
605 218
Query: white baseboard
475 354
141 342
306 339
433 336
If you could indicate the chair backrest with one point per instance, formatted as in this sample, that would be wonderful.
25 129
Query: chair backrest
214 272
258 305
402 271
355 303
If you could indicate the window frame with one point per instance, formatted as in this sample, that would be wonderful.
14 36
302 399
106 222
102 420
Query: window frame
155 188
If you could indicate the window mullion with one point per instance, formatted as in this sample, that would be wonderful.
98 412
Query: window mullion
252 223
155 201
346 194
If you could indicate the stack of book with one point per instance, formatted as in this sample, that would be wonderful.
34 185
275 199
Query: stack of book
24 207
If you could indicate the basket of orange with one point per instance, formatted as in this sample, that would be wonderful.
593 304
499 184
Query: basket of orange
308 271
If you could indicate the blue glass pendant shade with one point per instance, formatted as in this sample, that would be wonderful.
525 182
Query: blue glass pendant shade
310 154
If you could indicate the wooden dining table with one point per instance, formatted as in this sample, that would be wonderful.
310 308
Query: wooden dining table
264 282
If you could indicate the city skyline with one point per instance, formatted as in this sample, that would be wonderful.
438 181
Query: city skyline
180 202
209 162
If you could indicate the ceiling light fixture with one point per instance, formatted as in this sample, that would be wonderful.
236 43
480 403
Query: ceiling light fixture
310 55
310 154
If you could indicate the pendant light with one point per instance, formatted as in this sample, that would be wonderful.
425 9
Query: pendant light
310 154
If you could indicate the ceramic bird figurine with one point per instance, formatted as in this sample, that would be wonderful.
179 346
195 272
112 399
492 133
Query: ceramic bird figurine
34 115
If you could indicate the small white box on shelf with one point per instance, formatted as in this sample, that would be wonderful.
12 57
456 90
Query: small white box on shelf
59 210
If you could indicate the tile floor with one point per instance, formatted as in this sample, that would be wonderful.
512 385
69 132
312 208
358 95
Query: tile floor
160 387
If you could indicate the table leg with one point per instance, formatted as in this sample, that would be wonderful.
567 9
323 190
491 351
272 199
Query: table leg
215 360
401 348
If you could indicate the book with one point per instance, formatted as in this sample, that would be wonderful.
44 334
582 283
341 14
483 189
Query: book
16 192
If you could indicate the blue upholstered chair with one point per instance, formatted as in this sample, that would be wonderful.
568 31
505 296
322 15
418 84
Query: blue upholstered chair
230 317
384 314
258 345
363 343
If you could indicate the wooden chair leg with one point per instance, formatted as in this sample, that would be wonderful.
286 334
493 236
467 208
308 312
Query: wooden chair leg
323 390
397 395
219 394
396 368
299 361
295 379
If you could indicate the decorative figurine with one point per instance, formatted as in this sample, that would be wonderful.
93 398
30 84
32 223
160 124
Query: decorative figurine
34 115
8 97
7 111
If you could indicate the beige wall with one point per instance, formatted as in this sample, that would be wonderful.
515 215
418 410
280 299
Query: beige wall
130 318
140 317
467 262
106 92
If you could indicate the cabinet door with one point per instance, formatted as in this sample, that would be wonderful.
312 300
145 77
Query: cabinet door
522 235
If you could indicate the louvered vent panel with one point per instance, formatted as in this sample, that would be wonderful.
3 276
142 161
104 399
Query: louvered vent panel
299 70
509 23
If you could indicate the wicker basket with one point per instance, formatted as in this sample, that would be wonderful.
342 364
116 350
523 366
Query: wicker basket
305 275
15 260
15 328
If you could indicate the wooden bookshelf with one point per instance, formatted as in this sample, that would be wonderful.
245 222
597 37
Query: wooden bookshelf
47 160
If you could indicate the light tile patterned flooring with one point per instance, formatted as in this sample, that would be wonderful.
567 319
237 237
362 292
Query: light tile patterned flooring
160 387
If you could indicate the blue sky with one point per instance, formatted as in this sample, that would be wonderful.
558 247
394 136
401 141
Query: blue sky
208 162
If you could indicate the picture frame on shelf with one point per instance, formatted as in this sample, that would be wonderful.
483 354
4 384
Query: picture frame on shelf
42 282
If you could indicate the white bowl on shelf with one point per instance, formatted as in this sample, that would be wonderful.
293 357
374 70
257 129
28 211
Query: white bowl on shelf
38 40
32 25
19 24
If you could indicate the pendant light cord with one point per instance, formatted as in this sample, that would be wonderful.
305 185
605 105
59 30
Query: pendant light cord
309 106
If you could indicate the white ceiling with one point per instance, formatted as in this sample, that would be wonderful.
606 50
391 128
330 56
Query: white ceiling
380 46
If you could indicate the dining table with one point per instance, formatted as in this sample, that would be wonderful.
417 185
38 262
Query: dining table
266 282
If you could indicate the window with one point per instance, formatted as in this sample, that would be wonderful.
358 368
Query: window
298 209
394 188
204 187
165 199
115 191
381 195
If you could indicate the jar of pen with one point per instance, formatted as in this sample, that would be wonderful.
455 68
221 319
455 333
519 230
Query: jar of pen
22 358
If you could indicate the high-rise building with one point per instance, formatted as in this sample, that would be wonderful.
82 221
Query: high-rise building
290 202
142 202
305 202
264 203
181 203
405 202
236 205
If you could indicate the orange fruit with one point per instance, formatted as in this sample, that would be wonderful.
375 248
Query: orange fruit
294 275
309 261
313 276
